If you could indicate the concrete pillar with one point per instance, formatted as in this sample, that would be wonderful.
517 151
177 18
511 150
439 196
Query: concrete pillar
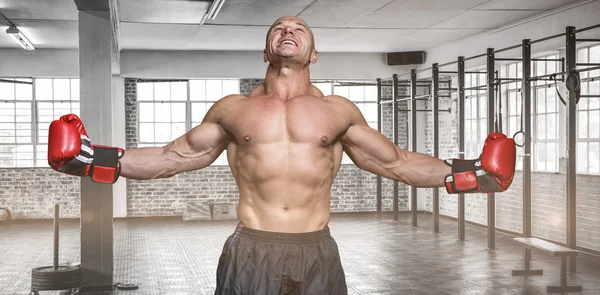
95 73
118 133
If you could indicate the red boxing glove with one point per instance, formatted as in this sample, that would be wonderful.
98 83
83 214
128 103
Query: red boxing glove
70 152
492 172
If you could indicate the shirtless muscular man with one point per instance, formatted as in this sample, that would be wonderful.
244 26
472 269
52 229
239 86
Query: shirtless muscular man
284 146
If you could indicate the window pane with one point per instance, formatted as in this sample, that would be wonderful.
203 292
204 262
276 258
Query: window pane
551 159
177 130
467 108
146 132
198 111
540 99
356 93
583 127
512 125
594 58
541 127
197 90
74 89
231 87
162 112
482 106
62 89
551 101
43 89
178 112
145 91
343 91
23 92
213 90
371 112
146 112
512 103
551 126
582 157
162 132
594 88
594 157
541 156
162 91
179 91
370 93
7 91
482 129
582 55
594 124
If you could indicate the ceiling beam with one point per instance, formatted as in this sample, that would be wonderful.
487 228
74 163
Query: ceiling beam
92 5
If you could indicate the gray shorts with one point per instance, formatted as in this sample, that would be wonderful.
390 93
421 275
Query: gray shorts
261 262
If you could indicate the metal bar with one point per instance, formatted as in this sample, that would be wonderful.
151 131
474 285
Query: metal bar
16 82
590 79
447 89
413 143
590 96
480 87
436 141
426 110
404 98
470 72
588 40
535 78
56 239
571 189
475 56
547 38
422 96
395 139
386 101
548 59
507 48
446 64
526 114
509 59
587 28
589 69
490 118
508 79
448 72
379 125
587 64
461 141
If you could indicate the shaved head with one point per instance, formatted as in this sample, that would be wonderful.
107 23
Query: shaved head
298 21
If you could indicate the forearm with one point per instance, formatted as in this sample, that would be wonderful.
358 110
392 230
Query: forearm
145 163
416 169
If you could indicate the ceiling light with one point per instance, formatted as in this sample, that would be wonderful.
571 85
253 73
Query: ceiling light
212 12
20 38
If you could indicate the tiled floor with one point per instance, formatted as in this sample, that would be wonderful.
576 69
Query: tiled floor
380 256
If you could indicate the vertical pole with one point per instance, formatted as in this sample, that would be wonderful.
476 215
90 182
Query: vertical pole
436 142
526 101
490 117
379 106
413 137
570 63
461 141
56 232
395 136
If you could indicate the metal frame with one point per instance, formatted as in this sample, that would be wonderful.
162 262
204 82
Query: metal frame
461 141
571 189
395 138
379 125
413 138
436 141
491 198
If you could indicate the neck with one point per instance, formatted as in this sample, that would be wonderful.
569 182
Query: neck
287 81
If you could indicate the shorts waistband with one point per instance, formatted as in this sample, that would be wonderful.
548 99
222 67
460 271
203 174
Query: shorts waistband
278 237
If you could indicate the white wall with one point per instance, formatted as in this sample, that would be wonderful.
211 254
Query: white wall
582 14
182 64
39 63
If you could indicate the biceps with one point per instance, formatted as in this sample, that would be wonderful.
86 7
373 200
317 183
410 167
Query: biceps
366 146
200 146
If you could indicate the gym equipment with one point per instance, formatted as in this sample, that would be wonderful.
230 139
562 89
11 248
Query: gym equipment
55 277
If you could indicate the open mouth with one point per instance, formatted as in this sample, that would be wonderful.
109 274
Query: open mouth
288 42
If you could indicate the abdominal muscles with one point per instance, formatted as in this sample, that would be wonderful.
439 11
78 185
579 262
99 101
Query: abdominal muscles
284 186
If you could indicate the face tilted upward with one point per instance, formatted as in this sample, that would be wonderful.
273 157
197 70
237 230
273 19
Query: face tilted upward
290 38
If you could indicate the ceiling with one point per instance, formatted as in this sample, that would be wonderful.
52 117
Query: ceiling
338 25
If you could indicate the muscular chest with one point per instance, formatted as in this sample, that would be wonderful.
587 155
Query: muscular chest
300 120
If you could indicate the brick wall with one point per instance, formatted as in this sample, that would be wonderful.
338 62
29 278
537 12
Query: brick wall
32 193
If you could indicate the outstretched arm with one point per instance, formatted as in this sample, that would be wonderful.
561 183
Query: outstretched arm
196 149
372 151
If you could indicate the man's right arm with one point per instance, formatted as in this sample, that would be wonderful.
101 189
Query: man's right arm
70 150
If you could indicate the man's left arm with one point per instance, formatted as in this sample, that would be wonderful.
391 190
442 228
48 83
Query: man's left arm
372 151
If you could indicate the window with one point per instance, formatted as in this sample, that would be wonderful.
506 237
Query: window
168 109
515 107
27 107
588 128
545 120
16 123
475 114
54 98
